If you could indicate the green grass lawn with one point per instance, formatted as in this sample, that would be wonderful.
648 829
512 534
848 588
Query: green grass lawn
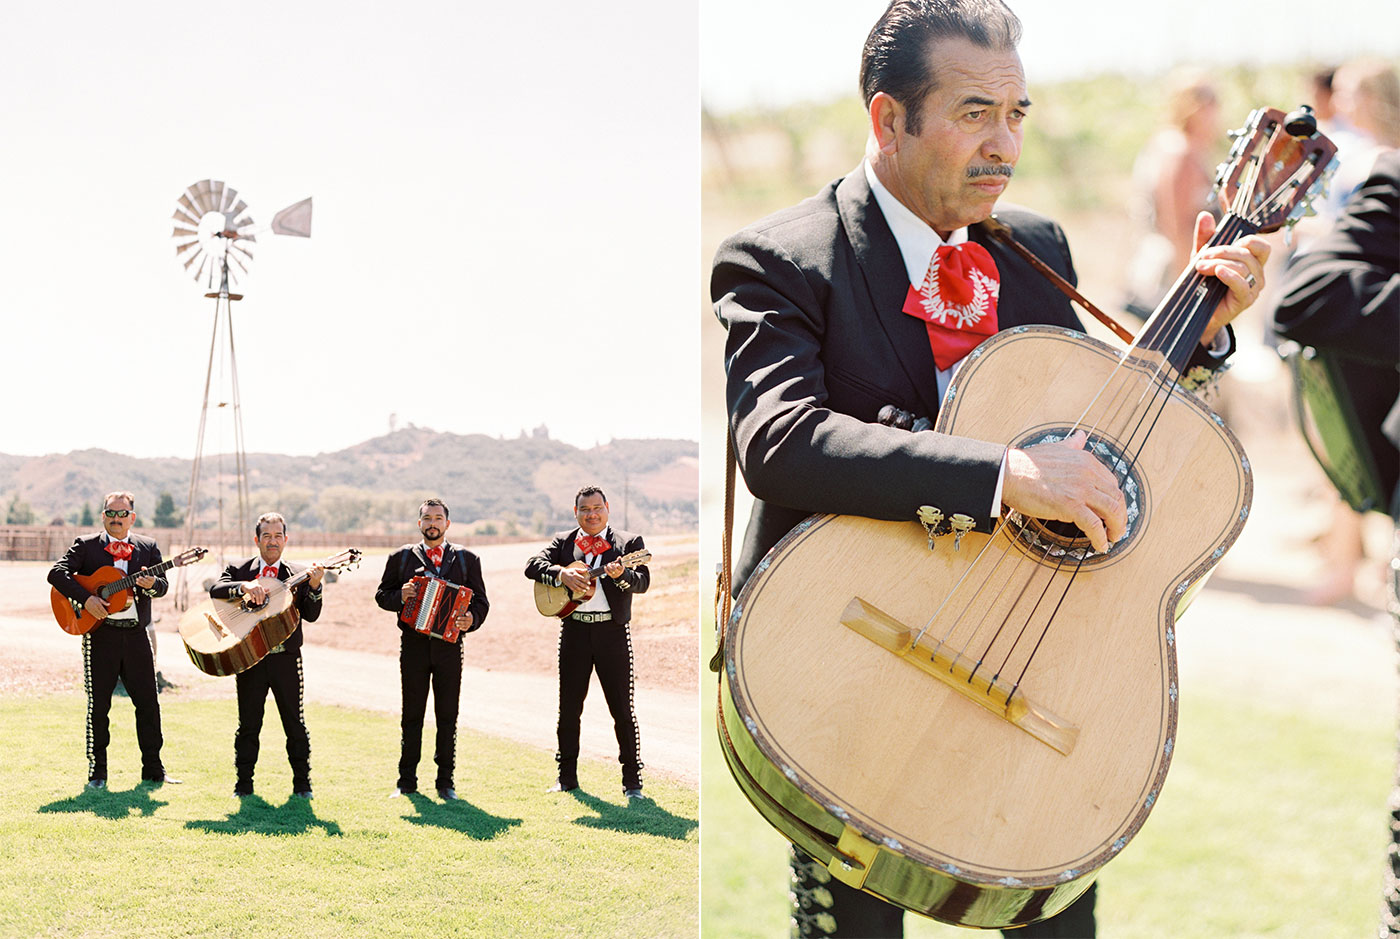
1272 823
190 860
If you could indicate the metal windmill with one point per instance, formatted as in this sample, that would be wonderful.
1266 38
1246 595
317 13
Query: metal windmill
214 238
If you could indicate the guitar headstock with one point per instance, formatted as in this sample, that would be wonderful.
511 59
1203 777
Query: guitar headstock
1277 164
189 556
345 560
635 558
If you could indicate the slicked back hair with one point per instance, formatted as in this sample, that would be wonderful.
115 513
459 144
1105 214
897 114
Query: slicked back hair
129 497
895 57
588 491
268 517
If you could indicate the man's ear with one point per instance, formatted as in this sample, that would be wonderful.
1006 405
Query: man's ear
886 122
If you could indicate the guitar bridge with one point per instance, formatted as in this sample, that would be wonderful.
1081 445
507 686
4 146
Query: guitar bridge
954 671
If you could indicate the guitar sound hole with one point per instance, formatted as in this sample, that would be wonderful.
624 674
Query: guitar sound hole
1057 540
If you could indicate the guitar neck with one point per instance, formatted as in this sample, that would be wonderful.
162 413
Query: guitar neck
129 581
1180 320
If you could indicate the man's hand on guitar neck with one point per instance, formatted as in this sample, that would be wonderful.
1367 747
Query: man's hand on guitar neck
614 569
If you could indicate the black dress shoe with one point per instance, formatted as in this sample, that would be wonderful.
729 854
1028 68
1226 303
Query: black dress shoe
447 794
242 792
563 786
302 793
161 780
97 784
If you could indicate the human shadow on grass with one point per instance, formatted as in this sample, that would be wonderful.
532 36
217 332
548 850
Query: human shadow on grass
259 817
459 815
107 803
637 815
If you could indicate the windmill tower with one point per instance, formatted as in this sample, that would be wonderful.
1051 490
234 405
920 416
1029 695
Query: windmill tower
214 239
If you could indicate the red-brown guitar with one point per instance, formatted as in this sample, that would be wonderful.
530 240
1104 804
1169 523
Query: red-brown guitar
112 585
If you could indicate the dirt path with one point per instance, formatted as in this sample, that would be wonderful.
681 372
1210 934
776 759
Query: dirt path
509 686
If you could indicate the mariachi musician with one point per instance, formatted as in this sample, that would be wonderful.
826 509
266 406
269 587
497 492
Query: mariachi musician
595 635
429 659
829 308
280 670
120 646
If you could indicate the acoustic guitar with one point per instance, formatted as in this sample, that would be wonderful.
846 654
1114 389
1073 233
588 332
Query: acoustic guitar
110 584
560 601
970 725
225 637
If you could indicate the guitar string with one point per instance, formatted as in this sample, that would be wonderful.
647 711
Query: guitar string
1160 380
1183 309
1188 301
1191 302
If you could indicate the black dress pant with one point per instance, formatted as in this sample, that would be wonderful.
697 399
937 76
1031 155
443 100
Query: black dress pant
280 673
110 652
423 662
607 648
822 906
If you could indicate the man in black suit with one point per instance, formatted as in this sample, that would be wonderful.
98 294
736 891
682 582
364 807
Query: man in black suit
1343 295
427 659
280 670
119 647
595 636
868 294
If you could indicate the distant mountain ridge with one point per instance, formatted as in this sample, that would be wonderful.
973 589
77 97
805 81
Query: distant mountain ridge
526 483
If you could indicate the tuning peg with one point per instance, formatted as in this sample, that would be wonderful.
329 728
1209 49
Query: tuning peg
1301 123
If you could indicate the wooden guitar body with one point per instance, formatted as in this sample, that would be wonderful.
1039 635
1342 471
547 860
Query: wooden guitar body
76 620
916 787
223 637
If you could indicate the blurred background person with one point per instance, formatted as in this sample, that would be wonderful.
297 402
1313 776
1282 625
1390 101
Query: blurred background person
1358 107
1343 295
1172 179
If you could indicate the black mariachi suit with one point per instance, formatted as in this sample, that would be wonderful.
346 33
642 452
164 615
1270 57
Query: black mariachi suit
280 671
818 343
425 659
115 650
604 646
1344 295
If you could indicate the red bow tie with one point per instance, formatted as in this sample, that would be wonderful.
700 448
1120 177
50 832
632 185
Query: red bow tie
957 302
120 550
592 544
435 555
269 570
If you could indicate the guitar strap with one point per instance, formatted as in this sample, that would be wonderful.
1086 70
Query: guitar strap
723 584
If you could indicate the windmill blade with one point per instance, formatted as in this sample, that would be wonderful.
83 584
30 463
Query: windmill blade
189 206
181 249
230 197
202 193
184 232
216 195
294 220
182 216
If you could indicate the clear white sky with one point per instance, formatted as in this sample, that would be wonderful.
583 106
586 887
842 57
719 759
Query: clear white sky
505 219
773 52
500 198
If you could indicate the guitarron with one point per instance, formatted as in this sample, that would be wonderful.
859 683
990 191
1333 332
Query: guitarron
968 725
225 637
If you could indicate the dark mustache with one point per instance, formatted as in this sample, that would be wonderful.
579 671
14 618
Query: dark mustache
994 169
